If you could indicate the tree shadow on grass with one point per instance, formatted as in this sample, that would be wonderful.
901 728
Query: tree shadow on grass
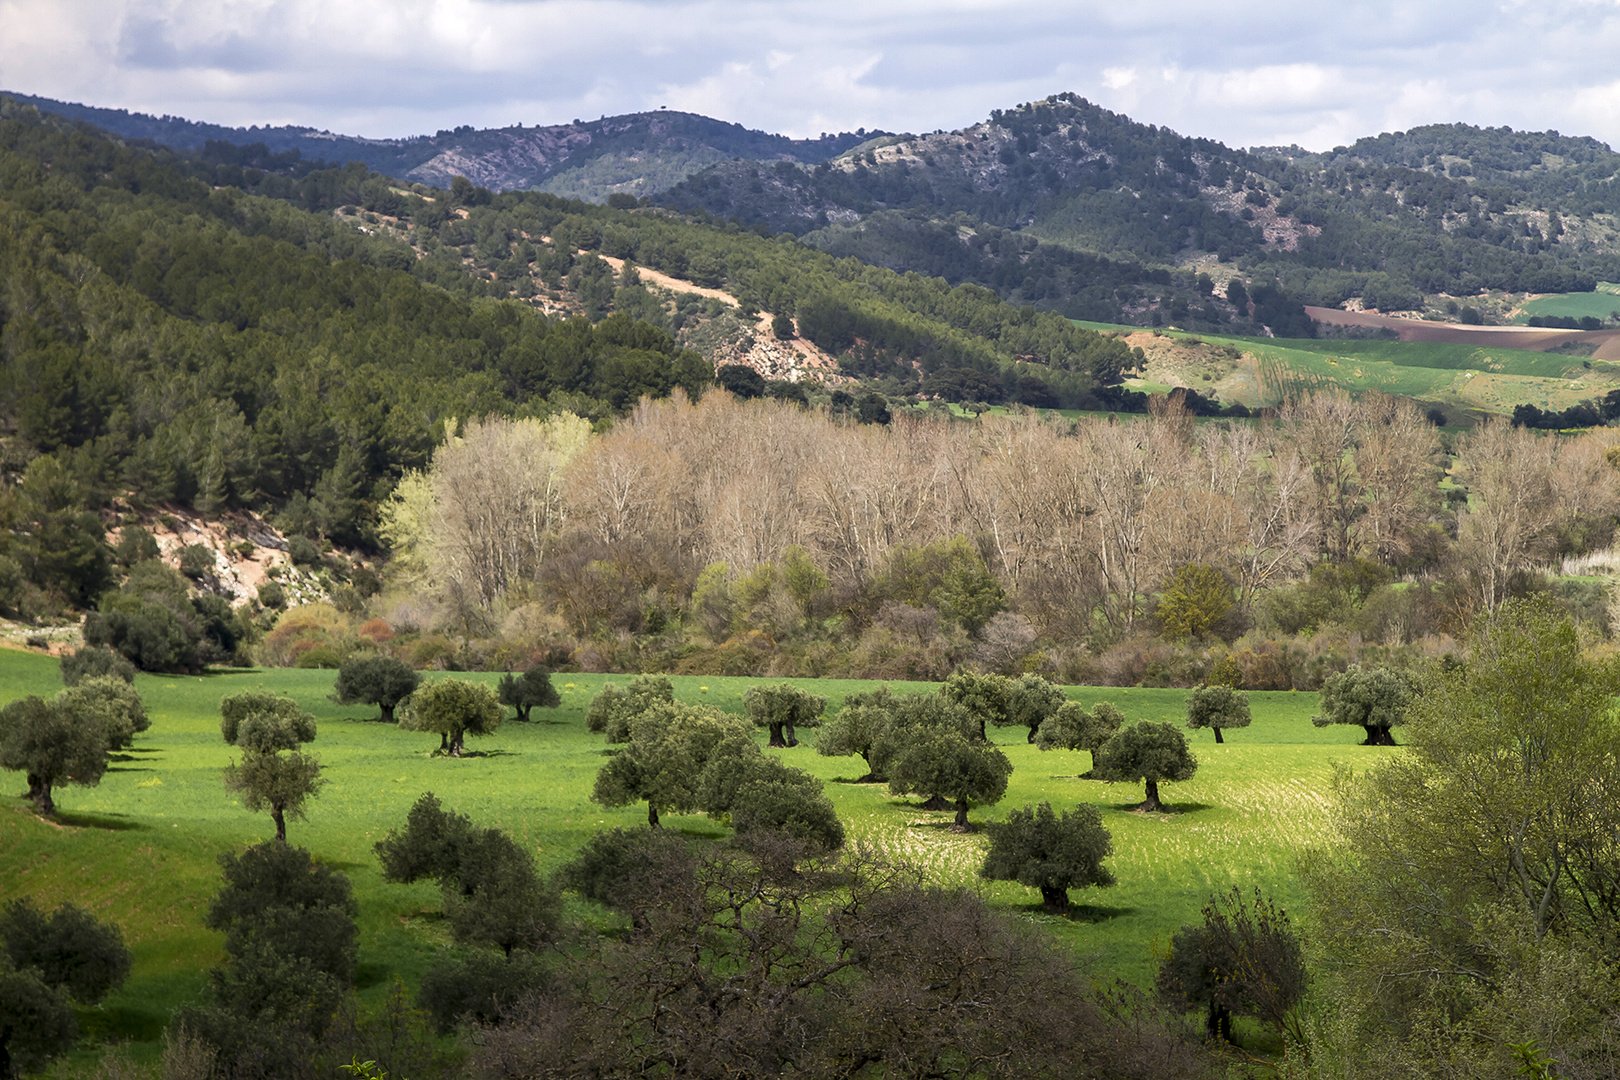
79 819
868 779
465 754
120 1023
1092 913
369 975
120 768
1169 809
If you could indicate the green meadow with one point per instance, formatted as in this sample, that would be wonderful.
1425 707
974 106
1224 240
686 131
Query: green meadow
1601 304
1482 379
140 848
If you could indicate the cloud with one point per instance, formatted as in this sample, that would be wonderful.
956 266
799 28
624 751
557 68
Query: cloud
1264 72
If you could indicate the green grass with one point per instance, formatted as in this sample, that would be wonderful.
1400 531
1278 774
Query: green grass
1599 305
140 849
1487 379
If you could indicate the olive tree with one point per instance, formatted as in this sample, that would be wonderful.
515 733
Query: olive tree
860 727
454 709
92 661
1030 701
46 962
1150 751
1374 698
273 774
383 681
1217 707
761 793
985 696
782 708
614 707
111 702
1073 728
524 692
669 748
492 893
946 764
1054 854
879 724
52 746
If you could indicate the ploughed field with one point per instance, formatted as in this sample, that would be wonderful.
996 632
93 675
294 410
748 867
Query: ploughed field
140 848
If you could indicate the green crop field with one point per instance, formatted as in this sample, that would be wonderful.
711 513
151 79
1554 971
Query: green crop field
1488 380
1601 304
140 848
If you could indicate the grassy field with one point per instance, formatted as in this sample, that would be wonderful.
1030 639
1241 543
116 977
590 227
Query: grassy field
1488 380
1601 304
140 848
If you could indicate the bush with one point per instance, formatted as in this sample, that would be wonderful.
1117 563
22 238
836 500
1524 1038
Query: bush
92 662
196 561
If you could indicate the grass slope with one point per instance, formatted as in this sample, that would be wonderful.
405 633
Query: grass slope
1601 304
140 848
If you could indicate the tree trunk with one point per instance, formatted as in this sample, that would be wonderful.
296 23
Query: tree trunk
40 792
961 814
1217 732
1219 1023
652 816
1031 738
776 736
280 819
523 712
387 716
935 802
444 743
1378 736
455 743
1054 899
1152 802
792 739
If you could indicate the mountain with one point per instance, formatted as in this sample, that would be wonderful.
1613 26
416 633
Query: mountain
636 154
1448 210
1059 204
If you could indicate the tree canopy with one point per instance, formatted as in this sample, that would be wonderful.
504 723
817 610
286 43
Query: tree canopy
383 681
528 690
1217 707
1374 698
1472 875
1052 853
453 708
1150 751
46 961
273 774
783 707
1071 727
52 745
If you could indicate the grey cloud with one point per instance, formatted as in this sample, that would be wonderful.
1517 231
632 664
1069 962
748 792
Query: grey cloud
1265 71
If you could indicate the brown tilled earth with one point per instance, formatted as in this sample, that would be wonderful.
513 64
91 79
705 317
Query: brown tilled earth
1535 339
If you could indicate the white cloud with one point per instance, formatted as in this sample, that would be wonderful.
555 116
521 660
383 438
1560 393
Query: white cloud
1268 71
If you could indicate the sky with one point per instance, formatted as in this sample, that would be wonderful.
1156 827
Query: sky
1249 73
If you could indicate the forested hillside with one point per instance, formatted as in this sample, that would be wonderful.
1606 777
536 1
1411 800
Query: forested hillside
640 153
170 338
1384 221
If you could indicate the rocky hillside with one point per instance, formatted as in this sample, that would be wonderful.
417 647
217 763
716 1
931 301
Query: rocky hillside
1449 210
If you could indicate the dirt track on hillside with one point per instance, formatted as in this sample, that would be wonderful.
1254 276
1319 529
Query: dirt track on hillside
1535 339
